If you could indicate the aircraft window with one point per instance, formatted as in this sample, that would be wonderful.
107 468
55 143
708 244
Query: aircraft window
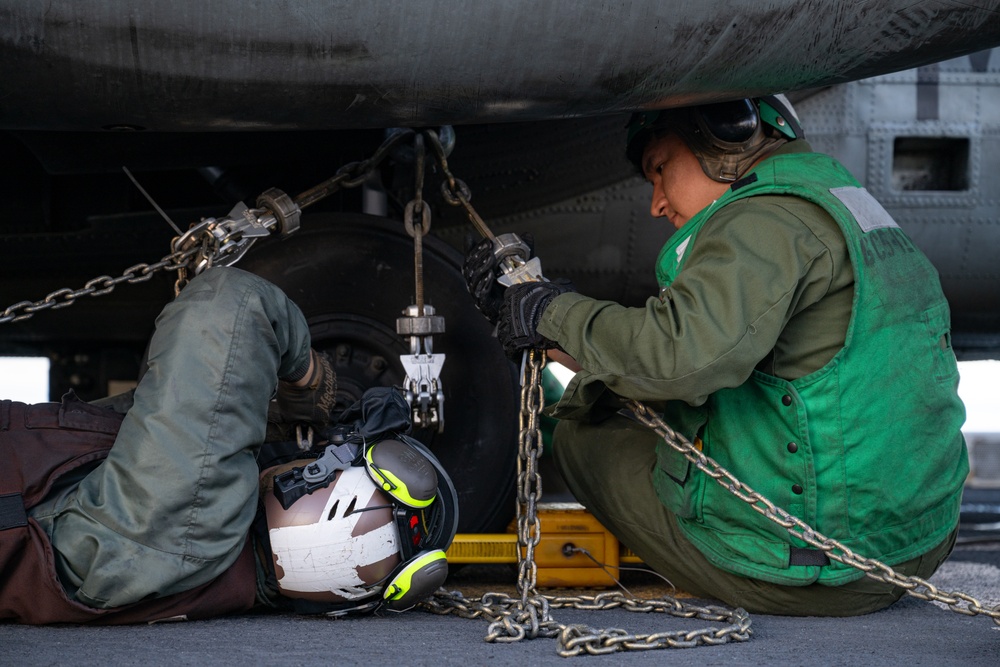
938 163
979 389
24 379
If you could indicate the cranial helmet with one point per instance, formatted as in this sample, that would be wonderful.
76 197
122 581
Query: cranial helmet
727 138
362 527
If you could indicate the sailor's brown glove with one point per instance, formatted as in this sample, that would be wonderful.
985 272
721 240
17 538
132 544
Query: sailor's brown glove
306 405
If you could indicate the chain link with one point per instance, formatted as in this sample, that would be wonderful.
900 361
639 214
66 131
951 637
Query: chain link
960 603
200 245
418 209
455 191
353 174
529 482
529 615
64 297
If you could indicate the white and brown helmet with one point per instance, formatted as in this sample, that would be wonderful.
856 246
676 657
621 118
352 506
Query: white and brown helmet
374 536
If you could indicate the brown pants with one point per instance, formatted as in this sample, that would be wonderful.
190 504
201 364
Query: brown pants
171 506
608 467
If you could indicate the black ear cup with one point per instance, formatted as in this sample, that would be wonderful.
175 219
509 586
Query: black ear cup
729 122
443 512
415 580
403 472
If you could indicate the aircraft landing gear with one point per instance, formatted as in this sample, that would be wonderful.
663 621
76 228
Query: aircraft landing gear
352 276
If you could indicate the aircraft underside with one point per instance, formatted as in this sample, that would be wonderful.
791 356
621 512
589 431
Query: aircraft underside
208 108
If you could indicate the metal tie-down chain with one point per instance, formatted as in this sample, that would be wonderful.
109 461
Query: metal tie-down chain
64 297
217 242
529 616
422 386
960 603
417 221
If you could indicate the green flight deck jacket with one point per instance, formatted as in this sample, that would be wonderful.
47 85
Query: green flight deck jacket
864 446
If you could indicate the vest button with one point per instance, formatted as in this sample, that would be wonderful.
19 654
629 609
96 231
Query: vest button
796 489
786 399
792 447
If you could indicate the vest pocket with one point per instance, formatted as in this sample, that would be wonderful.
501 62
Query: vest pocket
676 485
938 323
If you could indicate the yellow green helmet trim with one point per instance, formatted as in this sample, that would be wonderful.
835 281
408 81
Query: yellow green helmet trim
418 579
392 483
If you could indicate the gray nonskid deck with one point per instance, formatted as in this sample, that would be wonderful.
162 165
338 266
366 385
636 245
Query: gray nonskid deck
911 633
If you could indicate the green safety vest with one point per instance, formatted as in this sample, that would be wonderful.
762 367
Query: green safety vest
868 449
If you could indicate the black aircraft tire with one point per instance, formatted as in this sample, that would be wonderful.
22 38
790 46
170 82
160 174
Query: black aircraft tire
352 275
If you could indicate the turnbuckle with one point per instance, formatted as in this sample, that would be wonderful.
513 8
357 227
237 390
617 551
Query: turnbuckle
510 252
224 241
422 386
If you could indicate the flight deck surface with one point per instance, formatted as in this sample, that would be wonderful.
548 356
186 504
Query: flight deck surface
912 632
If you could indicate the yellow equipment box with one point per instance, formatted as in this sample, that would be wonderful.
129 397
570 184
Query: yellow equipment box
565 527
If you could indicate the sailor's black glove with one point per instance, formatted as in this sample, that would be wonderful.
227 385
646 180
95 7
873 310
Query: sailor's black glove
481 270
522 310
